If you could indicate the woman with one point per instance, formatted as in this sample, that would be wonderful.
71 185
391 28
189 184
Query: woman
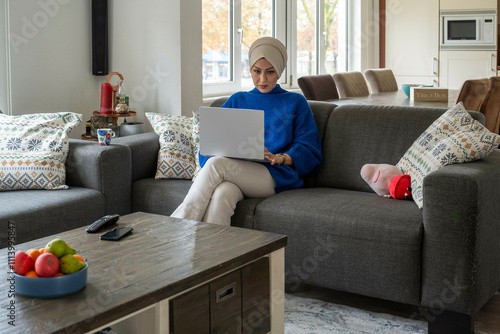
292 144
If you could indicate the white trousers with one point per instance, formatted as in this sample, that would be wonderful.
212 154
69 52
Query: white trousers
220 184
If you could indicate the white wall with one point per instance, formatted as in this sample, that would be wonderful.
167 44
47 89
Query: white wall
50 54
4 94
145 49
50 59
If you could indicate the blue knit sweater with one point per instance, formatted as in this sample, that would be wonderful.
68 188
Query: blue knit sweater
289 128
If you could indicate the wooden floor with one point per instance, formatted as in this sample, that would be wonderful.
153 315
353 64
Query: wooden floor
487 319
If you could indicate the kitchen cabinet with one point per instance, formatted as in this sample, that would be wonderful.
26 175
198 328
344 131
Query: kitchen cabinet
458 66
412 41
468 4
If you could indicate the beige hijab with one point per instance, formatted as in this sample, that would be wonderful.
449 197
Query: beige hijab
271 49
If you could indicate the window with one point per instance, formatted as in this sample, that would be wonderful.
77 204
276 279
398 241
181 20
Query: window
321 31
313 30
256 21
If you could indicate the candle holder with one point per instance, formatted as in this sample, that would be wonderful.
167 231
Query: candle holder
121 106
97 123
115 88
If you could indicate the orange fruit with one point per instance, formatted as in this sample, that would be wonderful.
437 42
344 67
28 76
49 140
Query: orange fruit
34 253
79 257
42 250
58 274
31 273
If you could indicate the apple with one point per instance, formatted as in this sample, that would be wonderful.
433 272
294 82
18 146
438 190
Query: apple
22 263
47 265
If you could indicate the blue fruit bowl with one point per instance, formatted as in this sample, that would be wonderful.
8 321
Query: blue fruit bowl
407 87
50 287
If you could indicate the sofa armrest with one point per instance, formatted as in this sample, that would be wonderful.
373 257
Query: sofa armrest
106 169
461 246
219 101
144 148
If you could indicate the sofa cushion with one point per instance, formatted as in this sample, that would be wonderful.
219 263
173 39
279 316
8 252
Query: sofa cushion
44 212
176 158
321 112
455 137
33 150
348 240
359 134
159 196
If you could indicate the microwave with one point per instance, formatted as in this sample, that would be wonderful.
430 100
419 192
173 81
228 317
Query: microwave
468 30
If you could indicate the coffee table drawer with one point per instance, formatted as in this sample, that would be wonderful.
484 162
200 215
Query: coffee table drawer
256 298
238 302
192 311
225 304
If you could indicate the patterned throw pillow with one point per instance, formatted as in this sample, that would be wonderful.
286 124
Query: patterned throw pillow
453 138
33 150
176 158
195 142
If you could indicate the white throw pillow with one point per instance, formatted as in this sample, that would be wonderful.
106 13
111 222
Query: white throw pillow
33 150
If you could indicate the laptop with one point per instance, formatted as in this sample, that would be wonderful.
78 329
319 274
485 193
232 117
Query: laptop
232 133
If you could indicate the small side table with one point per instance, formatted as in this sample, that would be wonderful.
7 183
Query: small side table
84 137
114 116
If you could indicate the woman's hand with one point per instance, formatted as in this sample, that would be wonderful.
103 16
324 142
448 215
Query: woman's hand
280 159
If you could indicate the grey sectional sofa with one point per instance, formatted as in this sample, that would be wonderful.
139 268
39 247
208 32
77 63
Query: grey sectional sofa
99 180
341 235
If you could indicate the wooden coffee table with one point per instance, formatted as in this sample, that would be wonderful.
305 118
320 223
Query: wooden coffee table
132 282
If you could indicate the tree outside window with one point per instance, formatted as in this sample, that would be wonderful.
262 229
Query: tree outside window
315 39
216 39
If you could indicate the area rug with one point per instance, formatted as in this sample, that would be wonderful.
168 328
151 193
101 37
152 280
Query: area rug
312 316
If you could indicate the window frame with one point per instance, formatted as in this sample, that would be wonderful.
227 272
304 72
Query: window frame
234 82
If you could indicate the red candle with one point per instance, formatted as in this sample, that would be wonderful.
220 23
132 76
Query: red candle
106 98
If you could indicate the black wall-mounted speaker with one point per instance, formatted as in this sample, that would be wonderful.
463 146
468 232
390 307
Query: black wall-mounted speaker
99 37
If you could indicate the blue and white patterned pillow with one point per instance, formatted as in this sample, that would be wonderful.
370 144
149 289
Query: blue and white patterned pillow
453 138
33 150
176 158
195 142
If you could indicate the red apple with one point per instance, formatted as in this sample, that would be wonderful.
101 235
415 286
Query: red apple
47 265
23 263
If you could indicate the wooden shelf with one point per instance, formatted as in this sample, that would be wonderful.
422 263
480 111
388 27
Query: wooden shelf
114 115
84 137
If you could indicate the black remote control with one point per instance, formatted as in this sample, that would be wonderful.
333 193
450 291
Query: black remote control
100 223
